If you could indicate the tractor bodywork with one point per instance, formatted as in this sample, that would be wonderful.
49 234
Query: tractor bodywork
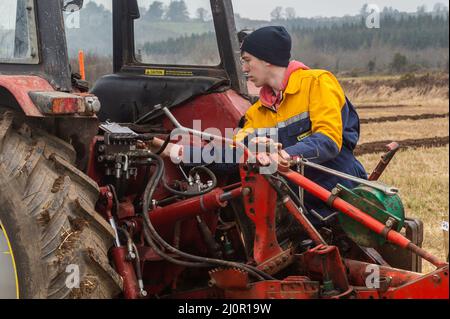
238 235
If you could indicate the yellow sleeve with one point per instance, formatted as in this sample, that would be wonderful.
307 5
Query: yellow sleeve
326 101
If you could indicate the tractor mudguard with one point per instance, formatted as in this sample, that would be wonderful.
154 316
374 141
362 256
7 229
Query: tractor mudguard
19 87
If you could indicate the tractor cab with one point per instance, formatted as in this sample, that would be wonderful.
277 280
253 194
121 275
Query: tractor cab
29 45
140 78
145 75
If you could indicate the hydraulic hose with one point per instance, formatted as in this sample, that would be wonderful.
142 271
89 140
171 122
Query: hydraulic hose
192 194
137 260
150 231
148 194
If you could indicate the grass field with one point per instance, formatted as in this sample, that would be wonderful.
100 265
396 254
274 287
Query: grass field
366 113
402 130
428 89
421 174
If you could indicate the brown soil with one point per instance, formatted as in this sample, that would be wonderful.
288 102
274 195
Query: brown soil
380 147
358 107
403 118
423 82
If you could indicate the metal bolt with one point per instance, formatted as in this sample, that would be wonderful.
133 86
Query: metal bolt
246 191
436 278
131 256
385 283
389 223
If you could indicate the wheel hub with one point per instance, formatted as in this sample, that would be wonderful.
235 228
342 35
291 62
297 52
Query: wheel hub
9 288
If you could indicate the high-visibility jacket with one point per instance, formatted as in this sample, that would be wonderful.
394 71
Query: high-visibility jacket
315 120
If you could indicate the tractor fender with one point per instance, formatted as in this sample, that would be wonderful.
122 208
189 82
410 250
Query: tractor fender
19 86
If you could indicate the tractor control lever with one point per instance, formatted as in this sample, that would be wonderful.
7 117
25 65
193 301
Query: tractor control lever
388 190
202 135
385 160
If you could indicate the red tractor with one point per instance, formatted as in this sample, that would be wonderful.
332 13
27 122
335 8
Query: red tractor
89 210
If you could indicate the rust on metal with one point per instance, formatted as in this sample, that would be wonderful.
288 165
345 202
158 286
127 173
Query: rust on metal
278 263
21 86
229 279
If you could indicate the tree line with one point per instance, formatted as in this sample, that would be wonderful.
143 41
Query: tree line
404 41
176 11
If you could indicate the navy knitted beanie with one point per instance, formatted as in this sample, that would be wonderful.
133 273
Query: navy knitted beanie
271 44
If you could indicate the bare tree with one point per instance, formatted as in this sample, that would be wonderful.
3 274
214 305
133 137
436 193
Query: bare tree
422 9
440 7
290 13
277 14
363 11
155 11
177 11
202 14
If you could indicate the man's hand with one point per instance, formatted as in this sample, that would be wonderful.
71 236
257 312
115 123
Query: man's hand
278 155
281 158
265 143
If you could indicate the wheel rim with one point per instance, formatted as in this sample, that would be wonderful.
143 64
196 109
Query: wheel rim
9 285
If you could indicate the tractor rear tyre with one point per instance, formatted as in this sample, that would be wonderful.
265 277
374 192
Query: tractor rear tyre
56 243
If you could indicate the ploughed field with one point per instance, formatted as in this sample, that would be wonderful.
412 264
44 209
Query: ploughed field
419 122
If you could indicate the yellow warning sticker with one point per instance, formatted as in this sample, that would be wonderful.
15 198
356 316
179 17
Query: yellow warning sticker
159 72
179 73
155 72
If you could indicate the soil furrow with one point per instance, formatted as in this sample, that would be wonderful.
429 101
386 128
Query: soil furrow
403 118
380 146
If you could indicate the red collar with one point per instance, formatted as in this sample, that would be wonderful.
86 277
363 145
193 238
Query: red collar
267 96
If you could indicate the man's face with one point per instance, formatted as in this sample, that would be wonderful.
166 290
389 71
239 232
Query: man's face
257 70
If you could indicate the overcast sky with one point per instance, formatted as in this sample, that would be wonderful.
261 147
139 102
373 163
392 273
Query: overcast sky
260 9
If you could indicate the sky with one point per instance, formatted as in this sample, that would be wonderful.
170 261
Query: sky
260 9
